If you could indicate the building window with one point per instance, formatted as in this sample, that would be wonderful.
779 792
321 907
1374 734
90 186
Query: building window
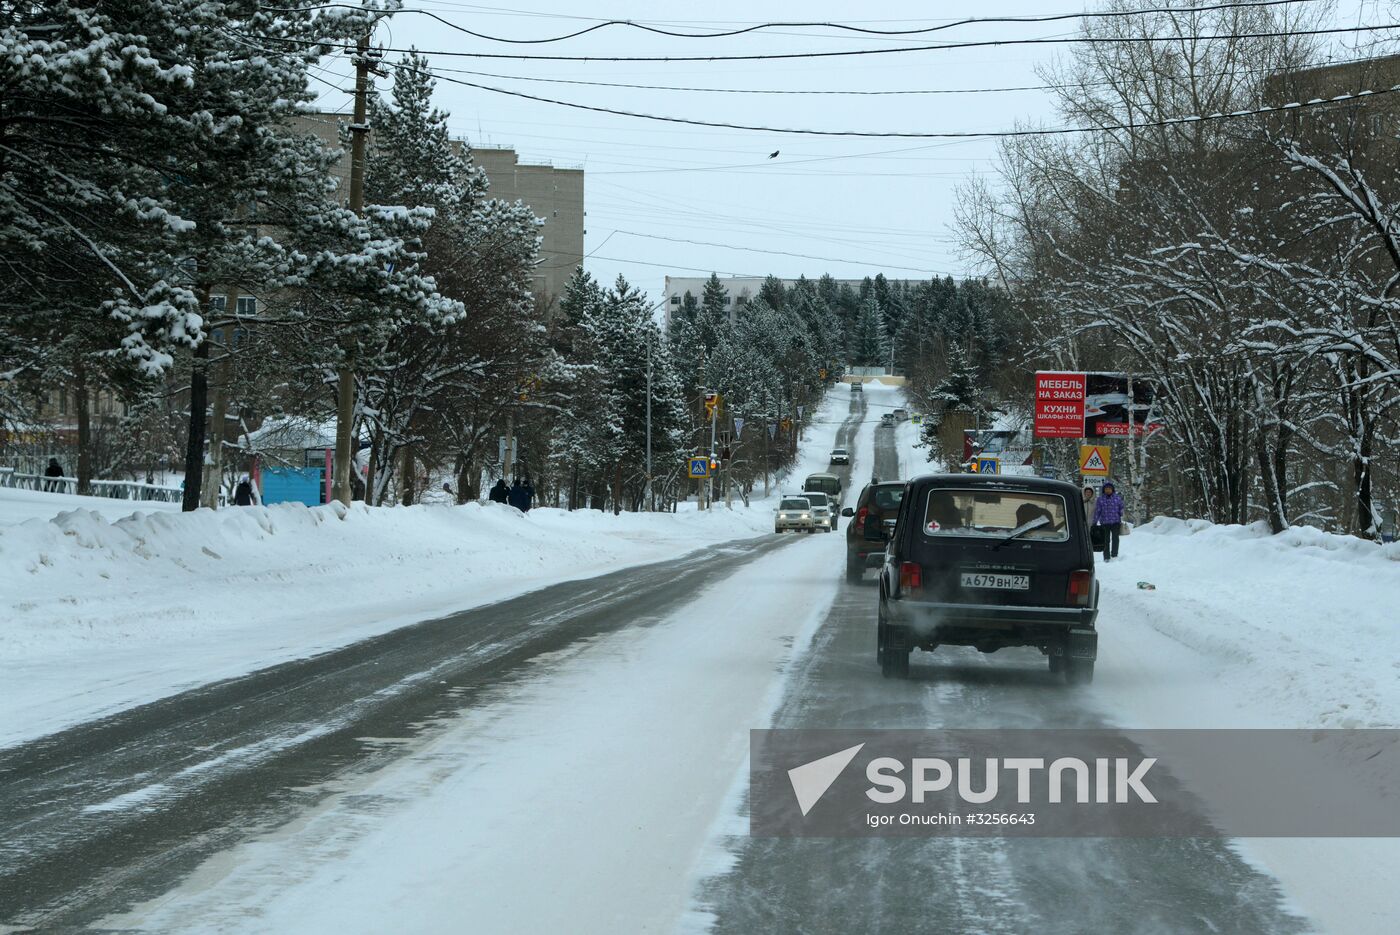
742 300
727 300
247 306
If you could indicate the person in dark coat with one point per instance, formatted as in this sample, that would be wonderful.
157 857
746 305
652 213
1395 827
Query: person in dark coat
1108 516
516 497
243 493
1095 532
527 495
498 493
53 470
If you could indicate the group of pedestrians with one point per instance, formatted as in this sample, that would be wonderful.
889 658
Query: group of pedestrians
1104 513
520 494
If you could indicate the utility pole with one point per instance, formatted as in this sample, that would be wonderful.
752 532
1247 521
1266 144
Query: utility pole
714 421
345 375
651 505
214 469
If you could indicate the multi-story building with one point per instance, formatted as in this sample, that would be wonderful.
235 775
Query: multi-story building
554 194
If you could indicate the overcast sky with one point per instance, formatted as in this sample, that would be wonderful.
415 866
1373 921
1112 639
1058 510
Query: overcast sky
861 205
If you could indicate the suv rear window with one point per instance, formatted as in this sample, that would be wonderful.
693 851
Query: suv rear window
887 498
994 513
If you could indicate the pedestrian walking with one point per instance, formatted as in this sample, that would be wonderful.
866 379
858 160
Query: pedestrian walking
527 494
53 470
498 493
1095 533
1108 516
516 497
243 493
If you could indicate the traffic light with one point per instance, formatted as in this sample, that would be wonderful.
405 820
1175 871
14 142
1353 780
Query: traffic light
724 454
972 466
714 465
712 404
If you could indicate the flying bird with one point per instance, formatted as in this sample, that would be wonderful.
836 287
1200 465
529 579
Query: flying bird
774 154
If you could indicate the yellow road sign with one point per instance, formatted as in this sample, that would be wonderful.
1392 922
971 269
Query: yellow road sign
1094 460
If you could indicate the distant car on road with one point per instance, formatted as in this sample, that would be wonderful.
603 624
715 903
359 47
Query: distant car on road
794 513
823 510
865 533
840 456
857 388
900 414
989 561
887 419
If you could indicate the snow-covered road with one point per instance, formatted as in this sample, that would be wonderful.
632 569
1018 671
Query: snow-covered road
574 759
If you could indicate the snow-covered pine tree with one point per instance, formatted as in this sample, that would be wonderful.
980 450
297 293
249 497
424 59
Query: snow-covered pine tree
870 344
441 385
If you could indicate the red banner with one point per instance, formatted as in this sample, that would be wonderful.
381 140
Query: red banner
1059 405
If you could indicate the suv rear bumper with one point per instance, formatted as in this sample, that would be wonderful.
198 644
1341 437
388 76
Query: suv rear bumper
1066 632
935 616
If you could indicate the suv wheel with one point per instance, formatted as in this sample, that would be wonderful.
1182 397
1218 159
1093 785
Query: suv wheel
892 651
855 570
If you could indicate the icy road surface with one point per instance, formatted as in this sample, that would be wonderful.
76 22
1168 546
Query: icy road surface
574 760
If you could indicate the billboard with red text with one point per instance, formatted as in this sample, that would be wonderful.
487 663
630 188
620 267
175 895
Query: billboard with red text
1093 405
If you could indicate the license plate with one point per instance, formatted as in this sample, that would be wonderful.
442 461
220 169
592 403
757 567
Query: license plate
996 582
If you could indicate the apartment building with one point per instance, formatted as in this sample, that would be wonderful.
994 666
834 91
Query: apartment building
554 194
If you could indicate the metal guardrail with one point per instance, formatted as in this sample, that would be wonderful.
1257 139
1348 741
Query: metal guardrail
109 489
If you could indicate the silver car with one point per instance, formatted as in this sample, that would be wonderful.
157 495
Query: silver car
794 513
823 512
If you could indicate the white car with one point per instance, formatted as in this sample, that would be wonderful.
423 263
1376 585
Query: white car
840 456
823 510
794 513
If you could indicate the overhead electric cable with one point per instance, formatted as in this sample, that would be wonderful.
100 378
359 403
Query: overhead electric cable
800 256
806 24
949 134
846 53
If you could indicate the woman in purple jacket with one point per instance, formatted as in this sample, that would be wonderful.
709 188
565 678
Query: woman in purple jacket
1108 514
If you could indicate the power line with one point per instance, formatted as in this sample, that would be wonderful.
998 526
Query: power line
800 256
842 92
842 27
951 134
844 53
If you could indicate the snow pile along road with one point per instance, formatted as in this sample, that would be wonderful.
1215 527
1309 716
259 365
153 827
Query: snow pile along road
1294 630
17 505
98 615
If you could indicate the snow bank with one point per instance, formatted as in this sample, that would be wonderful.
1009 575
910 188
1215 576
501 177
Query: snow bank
99 614
1294 630
17 506
1342 548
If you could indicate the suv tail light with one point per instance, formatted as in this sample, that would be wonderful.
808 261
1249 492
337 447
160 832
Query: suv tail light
860 517
911 576
1081 588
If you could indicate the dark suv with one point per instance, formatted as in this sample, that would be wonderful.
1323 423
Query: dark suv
989 561
865 533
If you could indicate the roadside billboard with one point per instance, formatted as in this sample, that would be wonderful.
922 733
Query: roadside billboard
1093 405
1059 405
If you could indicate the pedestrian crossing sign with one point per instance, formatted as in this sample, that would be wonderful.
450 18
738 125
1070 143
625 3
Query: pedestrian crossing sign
1093 460
699 467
